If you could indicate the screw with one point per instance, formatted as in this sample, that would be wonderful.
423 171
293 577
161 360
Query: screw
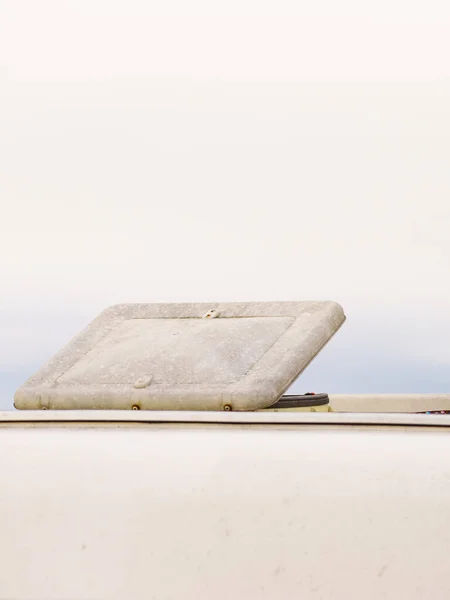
227 407
135 407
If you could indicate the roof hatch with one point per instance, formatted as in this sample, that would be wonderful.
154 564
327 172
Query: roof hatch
231 356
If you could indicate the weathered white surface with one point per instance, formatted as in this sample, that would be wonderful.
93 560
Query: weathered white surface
389 403
194 512
262 417
166 357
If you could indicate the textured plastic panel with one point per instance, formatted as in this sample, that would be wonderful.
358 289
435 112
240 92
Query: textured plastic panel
238 356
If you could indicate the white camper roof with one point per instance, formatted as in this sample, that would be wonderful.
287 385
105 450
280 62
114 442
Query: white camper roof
230 356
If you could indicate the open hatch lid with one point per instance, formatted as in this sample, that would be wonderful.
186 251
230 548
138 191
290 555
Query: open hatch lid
231 356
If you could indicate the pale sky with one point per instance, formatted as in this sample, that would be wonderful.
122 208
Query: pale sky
243 150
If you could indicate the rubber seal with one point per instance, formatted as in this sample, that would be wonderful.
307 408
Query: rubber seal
301 401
